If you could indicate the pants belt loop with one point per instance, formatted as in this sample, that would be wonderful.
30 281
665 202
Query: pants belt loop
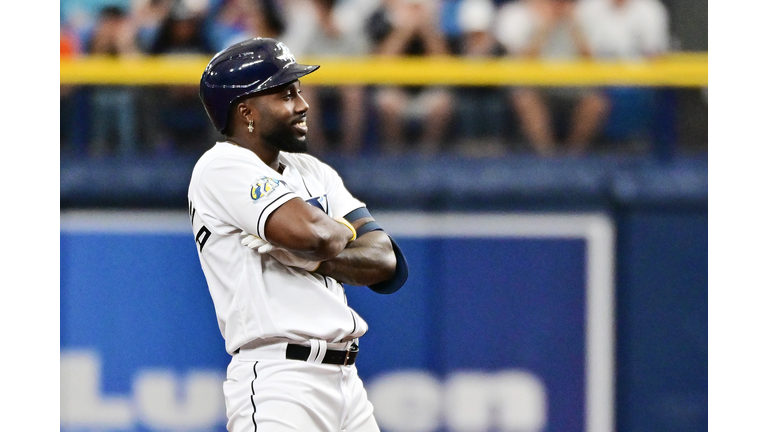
321 352
317 349
314 347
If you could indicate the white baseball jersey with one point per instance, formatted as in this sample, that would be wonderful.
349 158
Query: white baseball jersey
255 296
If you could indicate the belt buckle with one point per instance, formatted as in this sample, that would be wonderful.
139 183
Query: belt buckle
346 357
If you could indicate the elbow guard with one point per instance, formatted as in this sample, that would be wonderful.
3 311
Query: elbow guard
400 276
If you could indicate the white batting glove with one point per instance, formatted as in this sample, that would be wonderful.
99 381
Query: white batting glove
257 243
283 256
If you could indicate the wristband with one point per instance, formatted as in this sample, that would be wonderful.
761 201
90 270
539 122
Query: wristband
348 225
368 227
357 214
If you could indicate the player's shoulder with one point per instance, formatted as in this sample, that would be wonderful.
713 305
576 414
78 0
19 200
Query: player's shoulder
218 150
226 153
227 159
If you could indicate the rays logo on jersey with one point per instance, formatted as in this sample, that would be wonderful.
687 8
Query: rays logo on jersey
263 187
320 202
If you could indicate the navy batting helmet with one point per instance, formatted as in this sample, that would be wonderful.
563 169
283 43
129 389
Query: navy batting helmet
246 68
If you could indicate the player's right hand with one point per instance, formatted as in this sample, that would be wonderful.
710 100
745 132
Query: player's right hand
258 243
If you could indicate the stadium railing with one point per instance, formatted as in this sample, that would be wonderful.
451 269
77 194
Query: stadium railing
674 70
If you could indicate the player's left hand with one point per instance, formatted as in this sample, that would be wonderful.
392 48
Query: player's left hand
285 257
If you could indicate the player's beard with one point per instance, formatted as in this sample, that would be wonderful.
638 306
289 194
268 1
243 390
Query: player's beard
285 140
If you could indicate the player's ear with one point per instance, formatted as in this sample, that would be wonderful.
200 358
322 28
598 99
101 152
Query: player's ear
247 110
243 112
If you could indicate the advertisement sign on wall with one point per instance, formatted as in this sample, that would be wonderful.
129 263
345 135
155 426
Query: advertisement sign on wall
505 323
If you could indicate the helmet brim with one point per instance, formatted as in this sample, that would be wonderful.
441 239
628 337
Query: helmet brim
288 74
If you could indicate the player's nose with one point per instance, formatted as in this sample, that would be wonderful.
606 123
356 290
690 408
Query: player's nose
301 105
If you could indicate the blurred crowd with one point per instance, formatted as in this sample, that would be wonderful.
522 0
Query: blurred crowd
376 119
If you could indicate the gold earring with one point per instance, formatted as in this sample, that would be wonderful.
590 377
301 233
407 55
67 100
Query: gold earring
250 126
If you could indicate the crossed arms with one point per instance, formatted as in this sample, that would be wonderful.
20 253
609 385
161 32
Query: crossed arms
304 236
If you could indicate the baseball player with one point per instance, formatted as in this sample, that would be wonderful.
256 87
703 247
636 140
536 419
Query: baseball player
277 234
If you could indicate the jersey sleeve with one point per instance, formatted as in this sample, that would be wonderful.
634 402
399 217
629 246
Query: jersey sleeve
243 193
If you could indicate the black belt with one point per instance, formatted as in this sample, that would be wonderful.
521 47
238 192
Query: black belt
344 358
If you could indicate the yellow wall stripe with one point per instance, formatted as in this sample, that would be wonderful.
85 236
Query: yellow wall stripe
680 70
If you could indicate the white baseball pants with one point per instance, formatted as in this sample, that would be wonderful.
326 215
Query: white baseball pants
266 393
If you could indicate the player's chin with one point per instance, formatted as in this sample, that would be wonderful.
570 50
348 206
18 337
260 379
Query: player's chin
288 141
296 145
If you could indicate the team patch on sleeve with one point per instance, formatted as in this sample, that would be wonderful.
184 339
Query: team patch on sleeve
263 187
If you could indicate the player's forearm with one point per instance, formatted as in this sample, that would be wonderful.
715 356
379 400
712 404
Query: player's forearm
366 261
328 240
306 231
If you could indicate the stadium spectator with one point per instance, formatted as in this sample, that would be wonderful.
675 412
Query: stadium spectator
69 48
410 28
627 30
113 107
146 17
179 123
181 32
237 20
68 42
546 30
323 28
480 110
